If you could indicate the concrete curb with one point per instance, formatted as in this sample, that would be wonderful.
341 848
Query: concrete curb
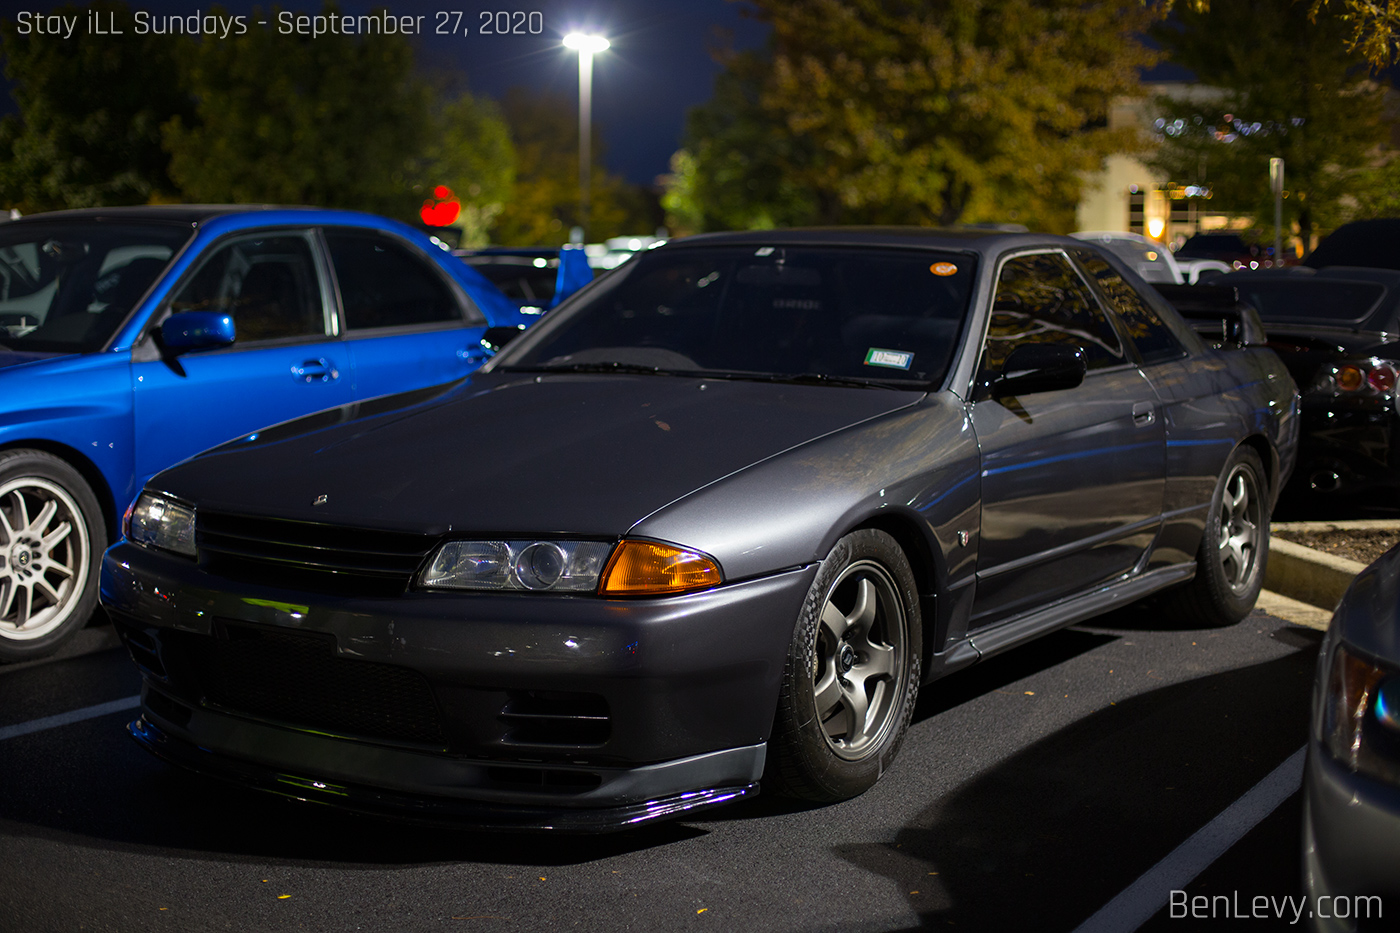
1308 575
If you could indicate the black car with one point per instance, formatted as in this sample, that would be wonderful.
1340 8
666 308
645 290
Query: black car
1336 329
713 522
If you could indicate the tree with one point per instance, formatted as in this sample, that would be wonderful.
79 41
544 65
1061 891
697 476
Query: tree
332 121
925 111
543 204
90 110
1288 88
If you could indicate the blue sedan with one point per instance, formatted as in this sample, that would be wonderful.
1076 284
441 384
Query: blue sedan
132 338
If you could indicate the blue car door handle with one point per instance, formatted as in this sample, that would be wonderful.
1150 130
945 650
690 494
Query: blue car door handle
317 370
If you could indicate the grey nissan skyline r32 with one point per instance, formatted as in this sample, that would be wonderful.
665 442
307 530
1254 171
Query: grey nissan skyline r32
713 521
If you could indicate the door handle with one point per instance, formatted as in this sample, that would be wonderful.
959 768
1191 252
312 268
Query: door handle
1144 413
317 370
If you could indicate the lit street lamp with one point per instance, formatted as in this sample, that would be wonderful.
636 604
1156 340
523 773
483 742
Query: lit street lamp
586 46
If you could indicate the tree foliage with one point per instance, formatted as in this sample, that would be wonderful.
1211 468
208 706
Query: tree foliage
90 111
332 121
914 111
1289 89
543 204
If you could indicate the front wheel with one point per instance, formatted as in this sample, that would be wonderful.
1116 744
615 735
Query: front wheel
51 539
1234 549
852 673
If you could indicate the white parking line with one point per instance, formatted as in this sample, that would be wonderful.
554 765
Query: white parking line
1139 901
63 719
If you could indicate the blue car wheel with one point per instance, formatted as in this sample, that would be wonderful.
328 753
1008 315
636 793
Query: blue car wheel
51 539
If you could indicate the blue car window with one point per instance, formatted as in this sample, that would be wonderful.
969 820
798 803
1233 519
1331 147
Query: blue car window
382 284
267 283
67 287
1041 299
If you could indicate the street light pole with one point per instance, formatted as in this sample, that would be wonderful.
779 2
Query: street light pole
586 46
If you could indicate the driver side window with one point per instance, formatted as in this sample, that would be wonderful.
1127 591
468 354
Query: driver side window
1041 299
267 283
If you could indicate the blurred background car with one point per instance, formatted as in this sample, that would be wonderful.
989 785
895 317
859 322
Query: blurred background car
131 338
1374 244
1335 329
1152 261
535 278
1351 785
1229 248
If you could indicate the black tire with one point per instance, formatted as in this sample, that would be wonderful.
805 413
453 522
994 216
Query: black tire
1234 549
818 751
52 537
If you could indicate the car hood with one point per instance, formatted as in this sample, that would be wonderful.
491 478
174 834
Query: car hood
510 453
10 358
1369 615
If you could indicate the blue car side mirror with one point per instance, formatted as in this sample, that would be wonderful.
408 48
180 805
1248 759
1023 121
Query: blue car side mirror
196 330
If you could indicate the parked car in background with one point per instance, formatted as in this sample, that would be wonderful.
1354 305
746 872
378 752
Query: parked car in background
1148 258
1200 271
740 499
536 279
1374 244
131 338
1351 785
1336 329
1229 248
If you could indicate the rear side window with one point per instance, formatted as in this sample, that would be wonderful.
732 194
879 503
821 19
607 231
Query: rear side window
1041 299
267 283
1154 340
383 284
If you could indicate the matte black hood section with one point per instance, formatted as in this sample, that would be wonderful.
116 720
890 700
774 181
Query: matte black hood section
516 453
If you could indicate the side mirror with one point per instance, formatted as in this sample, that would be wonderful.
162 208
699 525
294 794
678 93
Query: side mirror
1039 367
497 337
196 330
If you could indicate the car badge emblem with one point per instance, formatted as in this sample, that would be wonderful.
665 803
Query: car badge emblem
319 500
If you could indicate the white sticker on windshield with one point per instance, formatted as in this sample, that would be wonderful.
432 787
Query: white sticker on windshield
894 359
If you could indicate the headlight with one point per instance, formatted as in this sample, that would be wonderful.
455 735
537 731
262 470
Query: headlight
538 566
1361 715
162 522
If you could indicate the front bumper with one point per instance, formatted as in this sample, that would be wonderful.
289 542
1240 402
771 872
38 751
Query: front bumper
565 711
1351 845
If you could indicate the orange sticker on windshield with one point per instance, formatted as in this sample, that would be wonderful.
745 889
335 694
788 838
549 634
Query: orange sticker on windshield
943 268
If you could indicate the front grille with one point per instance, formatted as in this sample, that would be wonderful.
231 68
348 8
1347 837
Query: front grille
296 679
324 558
550 717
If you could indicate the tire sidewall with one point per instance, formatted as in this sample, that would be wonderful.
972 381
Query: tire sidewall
22 464
1231 606
802 747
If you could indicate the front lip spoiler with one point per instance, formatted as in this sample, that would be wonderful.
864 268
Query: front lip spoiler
422 809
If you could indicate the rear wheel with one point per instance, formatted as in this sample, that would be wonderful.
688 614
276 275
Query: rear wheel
51 539
1234 549
852 673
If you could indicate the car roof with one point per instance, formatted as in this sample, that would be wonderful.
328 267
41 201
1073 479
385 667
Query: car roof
174 213
986 242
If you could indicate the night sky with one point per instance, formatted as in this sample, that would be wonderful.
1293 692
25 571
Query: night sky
658 67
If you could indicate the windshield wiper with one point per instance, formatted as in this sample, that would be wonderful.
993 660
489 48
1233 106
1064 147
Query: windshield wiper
737 375
816 379
610 366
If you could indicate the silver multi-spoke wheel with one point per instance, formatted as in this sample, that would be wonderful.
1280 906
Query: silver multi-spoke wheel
44 543
1240 508
858 659
851 676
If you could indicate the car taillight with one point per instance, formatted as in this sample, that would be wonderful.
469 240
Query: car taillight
1358 378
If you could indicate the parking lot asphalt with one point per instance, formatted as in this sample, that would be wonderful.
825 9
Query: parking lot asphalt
1031 791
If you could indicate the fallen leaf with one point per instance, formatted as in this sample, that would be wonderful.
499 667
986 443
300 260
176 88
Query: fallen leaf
1030 693
283 897
663 425
702 910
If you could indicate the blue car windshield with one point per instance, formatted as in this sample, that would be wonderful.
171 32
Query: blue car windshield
67 287
879 316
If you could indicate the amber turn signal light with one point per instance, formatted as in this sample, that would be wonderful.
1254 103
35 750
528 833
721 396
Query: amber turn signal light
646 568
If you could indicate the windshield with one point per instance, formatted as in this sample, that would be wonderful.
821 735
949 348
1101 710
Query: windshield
1329 302
67 287
842 315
